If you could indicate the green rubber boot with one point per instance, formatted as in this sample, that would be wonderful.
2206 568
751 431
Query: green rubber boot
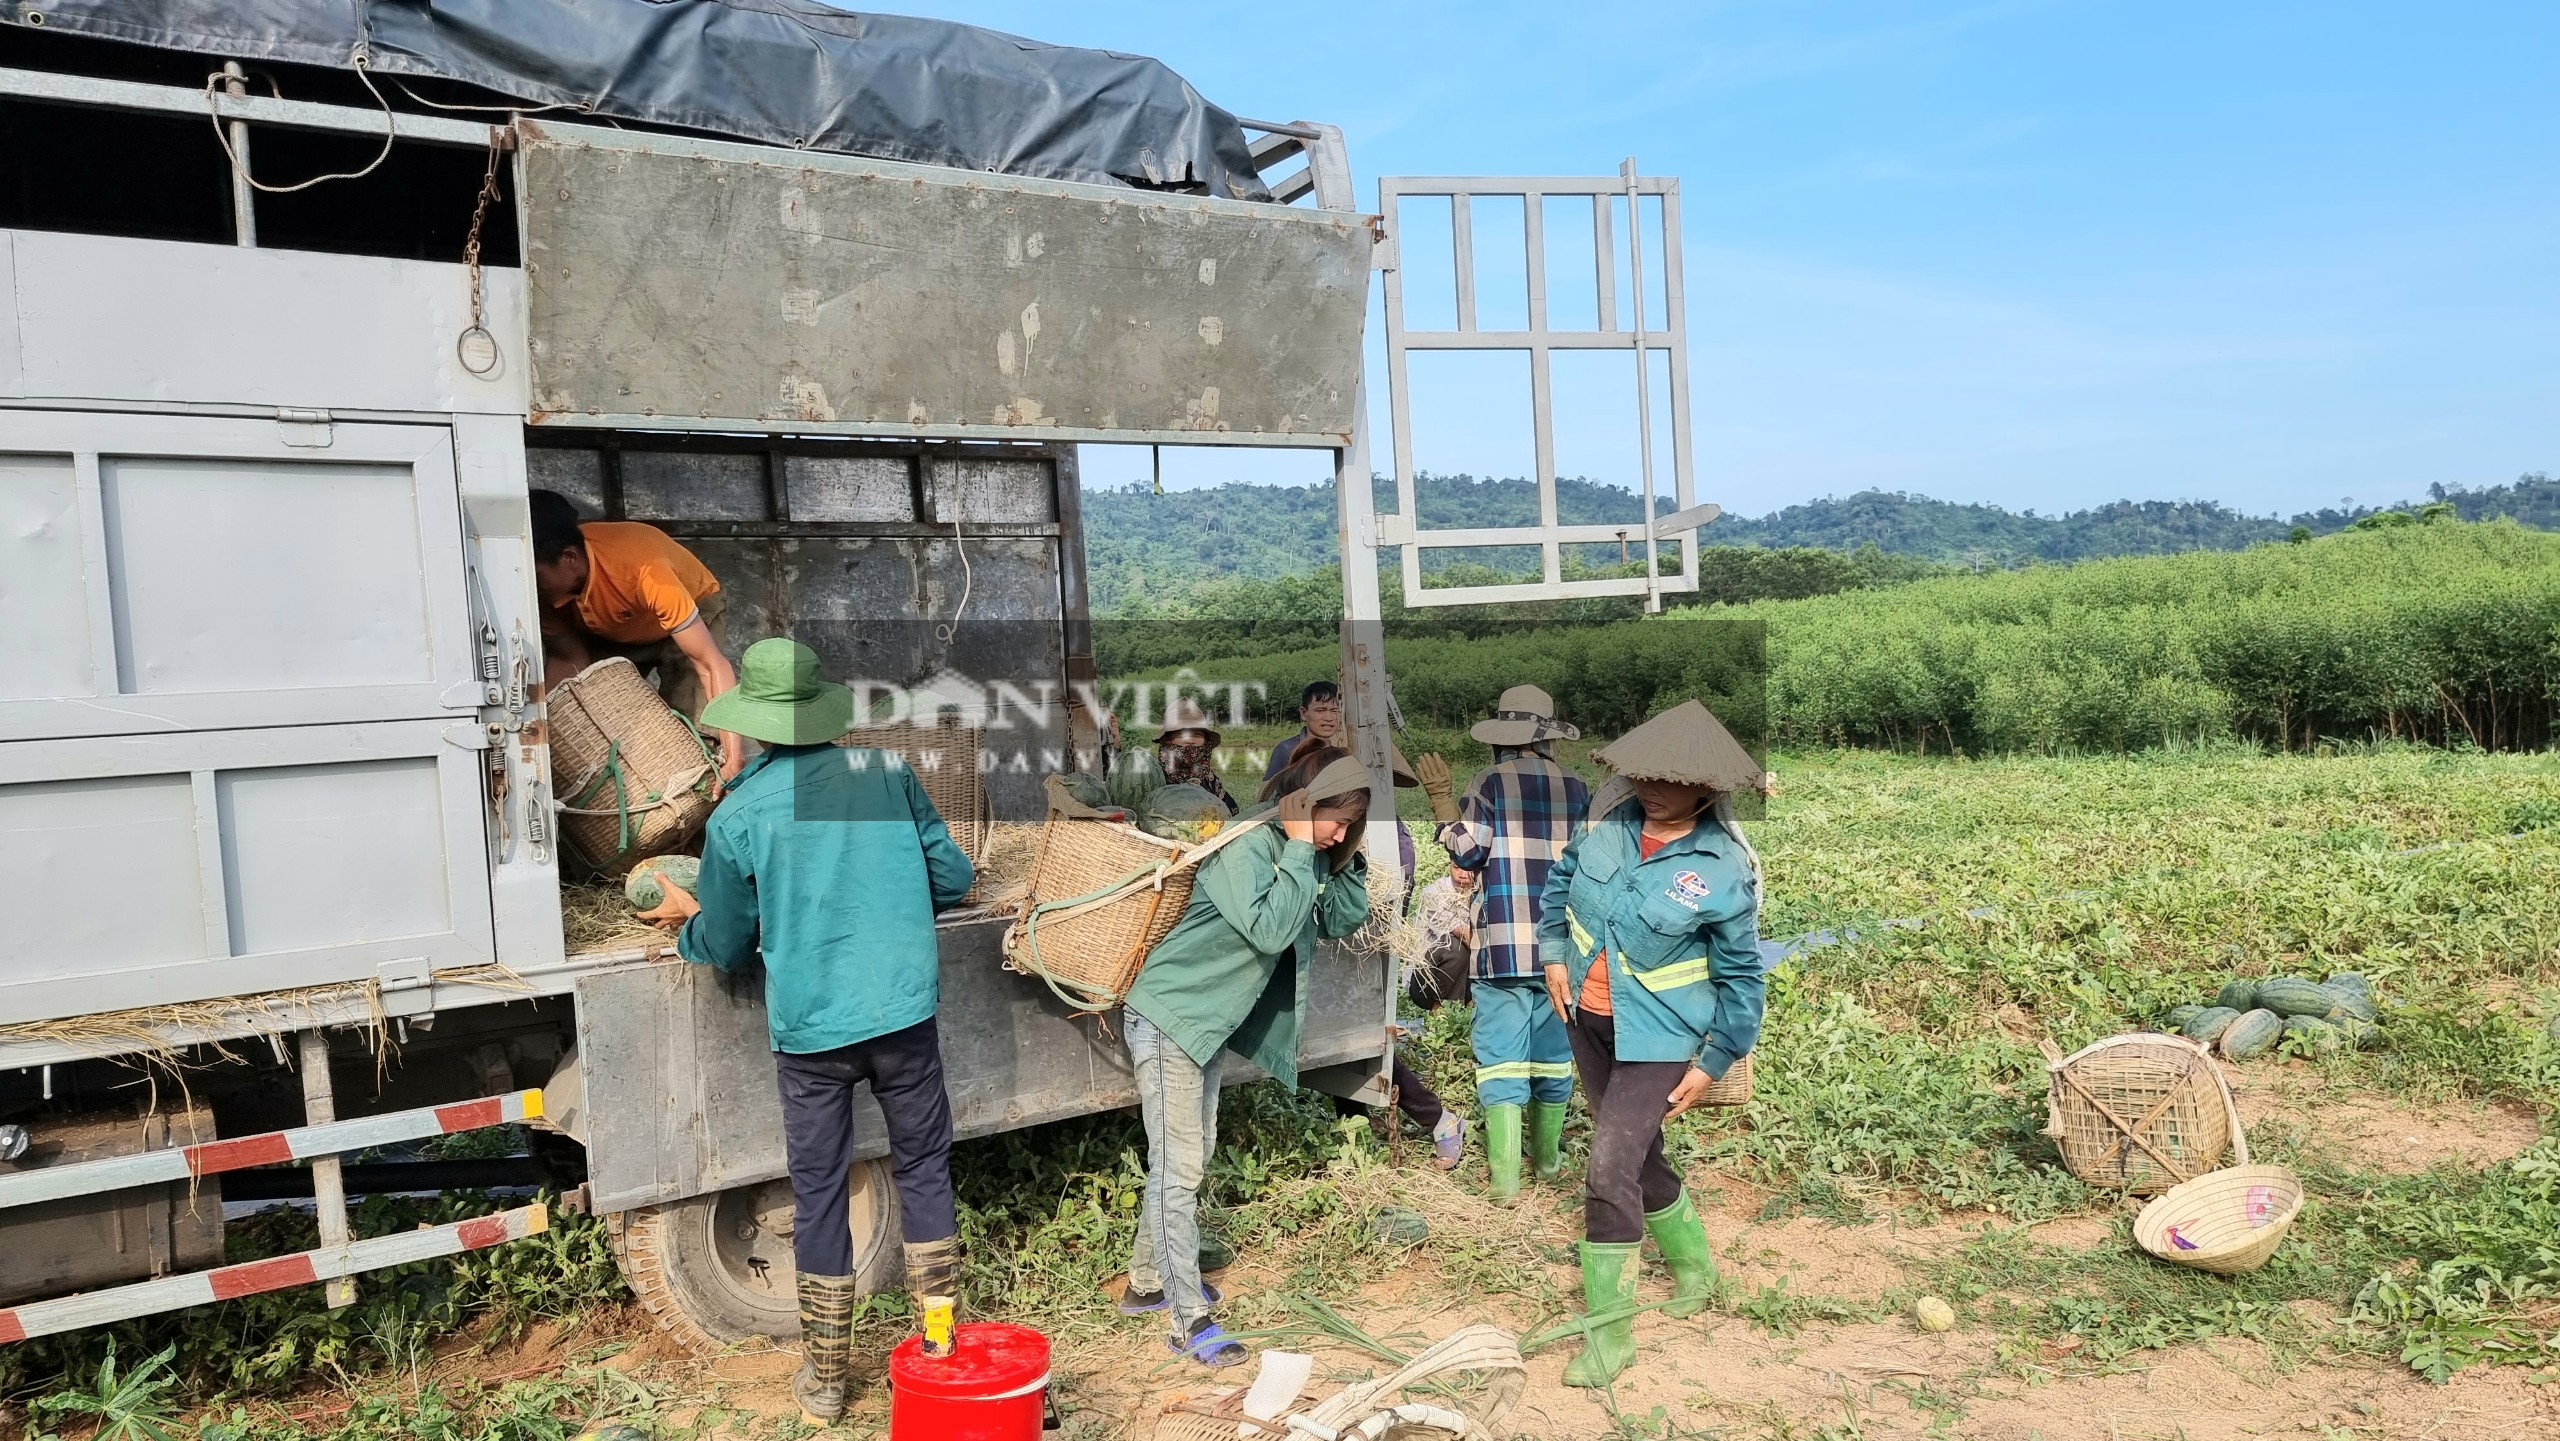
1502 1153
1692 1262
1546 1138
1608 1284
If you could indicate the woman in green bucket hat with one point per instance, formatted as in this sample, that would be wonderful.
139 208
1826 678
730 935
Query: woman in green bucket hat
831 861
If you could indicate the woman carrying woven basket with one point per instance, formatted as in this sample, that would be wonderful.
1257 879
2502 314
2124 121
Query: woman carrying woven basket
1232 975
1649 937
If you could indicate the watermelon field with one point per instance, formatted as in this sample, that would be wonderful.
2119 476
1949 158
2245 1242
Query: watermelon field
1893 1151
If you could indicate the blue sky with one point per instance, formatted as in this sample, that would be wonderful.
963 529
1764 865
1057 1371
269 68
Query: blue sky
2038 254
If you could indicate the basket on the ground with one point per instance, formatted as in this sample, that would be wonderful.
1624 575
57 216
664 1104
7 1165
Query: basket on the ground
1733 1088
1102 894
2226 1221
2141 1112
634 779
944 758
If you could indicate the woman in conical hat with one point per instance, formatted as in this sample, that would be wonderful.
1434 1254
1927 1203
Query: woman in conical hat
1650 939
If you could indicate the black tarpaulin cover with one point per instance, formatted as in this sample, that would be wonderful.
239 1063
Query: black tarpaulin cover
789 72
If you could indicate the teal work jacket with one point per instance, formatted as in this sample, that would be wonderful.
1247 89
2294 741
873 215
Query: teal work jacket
1233 971
1682 932
832 861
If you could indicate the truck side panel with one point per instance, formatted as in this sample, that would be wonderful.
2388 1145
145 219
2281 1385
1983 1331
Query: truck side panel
678 1066
695 284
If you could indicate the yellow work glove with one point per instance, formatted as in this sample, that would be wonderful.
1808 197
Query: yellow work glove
1433 772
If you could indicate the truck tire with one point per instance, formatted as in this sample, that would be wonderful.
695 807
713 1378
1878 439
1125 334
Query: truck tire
716 1270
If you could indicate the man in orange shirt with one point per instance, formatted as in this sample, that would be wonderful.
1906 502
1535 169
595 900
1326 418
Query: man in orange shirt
620 588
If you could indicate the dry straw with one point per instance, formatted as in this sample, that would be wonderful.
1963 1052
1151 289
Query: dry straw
2141 1113
2226 1221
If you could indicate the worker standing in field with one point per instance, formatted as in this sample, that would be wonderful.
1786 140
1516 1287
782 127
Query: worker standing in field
831 861
1510 827
1319 724
621 588
1232 975
1650 939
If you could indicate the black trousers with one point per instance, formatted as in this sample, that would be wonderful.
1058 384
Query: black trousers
904 1071
1627 1176
1414 1097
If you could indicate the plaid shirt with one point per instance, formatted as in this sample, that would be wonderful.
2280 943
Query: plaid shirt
1512 824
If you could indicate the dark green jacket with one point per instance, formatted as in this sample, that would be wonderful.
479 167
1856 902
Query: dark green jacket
1233 971
832 861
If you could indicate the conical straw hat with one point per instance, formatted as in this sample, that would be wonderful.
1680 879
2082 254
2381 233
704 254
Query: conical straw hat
1687 744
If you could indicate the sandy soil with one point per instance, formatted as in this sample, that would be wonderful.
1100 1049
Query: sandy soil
1718 1375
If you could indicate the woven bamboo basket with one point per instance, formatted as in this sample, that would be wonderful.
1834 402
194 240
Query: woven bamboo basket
944 758
633 778
1102 895
1733 1088
2226 1221
2141 1113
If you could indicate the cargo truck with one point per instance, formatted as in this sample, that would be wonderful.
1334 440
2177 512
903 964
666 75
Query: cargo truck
277 809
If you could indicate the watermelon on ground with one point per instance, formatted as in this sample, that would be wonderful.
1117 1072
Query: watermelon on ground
2208 1023
2249 1037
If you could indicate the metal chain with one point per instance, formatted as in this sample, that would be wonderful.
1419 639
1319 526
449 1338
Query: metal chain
486 355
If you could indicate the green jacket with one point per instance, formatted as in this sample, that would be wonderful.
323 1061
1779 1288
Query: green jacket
1682 931
832 859
1218 978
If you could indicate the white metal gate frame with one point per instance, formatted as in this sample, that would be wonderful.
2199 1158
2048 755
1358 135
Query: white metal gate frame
1540 341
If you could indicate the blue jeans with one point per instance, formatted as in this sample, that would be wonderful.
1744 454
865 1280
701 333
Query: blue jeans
1179 1100
1521 1049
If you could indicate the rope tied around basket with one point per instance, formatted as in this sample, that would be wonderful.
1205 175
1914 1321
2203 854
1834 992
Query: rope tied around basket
1022 942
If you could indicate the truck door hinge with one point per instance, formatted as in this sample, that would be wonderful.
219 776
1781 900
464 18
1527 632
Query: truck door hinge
308 429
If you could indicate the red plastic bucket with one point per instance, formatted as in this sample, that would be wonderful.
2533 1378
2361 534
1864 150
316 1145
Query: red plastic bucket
994 1386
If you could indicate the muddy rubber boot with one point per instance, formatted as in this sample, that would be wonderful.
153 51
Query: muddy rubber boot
933 1279
1502 1154
1546 1138
826 1346
1608 1284
1685 1252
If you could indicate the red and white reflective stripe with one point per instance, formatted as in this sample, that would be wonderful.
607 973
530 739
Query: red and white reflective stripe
171 1293
179 1163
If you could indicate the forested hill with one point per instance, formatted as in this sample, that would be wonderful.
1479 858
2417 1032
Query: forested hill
1138 542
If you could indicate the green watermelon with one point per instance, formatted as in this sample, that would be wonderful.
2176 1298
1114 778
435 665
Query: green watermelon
2350 981
641 887
2180 1015
2249 1037
2363 1035
2238 995
2317 1037
2352 1003
2206 1024
2288 996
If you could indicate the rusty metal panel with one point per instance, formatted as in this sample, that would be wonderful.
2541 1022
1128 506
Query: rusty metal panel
675 281
679 1070
80 1242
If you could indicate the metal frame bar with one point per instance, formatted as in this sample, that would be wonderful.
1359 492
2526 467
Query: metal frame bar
1640 342
257 109
278 1273
267 1148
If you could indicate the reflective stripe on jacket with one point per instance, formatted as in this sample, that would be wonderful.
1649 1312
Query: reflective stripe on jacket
1682 932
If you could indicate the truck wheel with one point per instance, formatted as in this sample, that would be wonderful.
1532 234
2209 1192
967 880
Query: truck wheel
716 1270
